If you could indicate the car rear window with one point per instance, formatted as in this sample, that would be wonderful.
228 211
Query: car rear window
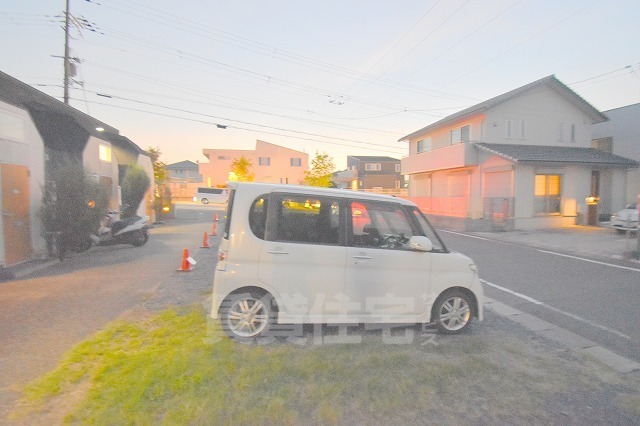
227 224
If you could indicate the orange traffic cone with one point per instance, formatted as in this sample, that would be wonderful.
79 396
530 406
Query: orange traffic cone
186 265
205 241
215 217
213 230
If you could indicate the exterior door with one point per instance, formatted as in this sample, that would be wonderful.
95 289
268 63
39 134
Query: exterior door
15 213
385 279
302 257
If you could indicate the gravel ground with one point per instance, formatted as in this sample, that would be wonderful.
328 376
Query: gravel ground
580 390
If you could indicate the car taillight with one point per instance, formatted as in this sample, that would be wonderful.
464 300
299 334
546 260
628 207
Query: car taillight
222 260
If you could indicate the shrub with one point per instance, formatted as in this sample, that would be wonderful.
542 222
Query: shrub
73 203
134 186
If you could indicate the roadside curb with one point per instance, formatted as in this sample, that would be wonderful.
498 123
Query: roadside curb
27 268
564 337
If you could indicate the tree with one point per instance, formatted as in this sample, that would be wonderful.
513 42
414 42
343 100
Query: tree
160 172
134 186
162 197
320 174
73 204
241 170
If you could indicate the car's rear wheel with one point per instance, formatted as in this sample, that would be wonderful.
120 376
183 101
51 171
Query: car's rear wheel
452 312
205 201
247 316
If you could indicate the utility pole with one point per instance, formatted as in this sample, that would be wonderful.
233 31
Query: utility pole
66 61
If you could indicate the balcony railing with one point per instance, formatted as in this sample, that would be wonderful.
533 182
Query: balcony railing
449 157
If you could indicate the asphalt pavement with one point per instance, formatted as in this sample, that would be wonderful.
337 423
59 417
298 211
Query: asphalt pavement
595 241
598 245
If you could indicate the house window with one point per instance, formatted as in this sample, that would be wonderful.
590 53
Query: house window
104 153
573 133
454 136
372 167
296 162
508 128
523 129
424 145
397 184
547 194
397 168
264 161
224 157
465 133
561 132
12 127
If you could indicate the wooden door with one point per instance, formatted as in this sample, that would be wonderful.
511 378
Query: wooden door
15 213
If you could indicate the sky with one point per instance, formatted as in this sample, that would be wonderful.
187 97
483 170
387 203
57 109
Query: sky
343 77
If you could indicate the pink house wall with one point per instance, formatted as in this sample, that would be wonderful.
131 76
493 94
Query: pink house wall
279 170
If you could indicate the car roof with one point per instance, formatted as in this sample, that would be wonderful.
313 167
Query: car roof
260 188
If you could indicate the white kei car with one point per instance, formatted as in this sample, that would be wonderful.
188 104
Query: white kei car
294 255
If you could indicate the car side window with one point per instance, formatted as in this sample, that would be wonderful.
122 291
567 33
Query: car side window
258 216
305 219
379 225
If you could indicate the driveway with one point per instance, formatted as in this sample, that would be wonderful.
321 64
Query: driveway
46 313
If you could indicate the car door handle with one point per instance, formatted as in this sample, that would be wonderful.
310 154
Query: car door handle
361 256
277 252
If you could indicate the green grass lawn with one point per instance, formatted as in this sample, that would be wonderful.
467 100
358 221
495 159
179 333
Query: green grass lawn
174 368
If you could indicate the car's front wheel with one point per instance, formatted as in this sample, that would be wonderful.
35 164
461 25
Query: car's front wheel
247 316
452 312
204 201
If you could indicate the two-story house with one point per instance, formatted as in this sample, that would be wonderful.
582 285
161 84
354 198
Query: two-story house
375 172
184 171
521 160
620 135
270 163
39 135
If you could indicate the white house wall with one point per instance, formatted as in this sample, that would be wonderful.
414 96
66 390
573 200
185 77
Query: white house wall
542 110
94 165
441 138
624 129
25 148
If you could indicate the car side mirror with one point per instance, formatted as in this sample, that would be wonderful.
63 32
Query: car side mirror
420 243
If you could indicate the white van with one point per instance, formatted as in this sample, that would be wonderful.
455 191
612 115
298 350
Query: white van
211 195
295 255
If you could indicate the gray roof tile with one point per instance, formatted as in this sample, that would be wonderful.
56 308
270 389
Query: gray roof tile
556 154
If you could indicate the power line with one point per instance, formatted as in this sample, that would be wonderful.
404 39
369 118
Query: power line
521 43
391 49
602 75
194 27
424 39
305 134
